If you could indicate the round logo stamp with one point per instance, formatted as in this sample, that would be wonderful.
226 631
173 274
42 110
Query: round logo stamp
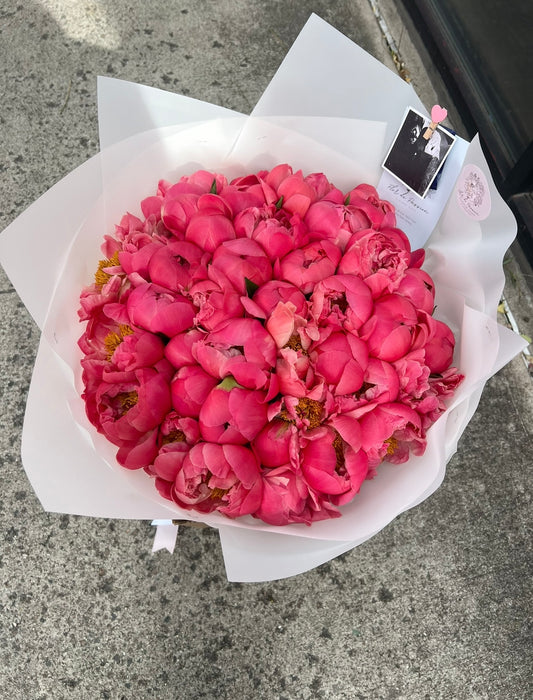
473 194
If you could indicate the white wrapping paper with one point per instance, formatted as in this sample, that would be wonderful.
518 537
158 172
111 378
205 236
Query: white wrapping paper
314 124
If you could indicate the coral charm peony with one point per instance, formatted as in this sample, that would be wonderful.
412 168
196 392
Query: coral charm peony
259 347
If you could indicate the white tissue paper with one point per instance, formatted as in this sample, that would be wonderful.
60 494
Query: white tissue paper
330 108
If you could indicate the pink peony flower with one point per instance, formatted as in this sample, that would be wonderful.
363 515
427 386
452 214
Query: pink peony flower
132 349
287 498
341 359
205 181
381 259
325 219
176 437
94 341
259 347
157 310
177 265
177 210
381 382
323 188
240 260
129 404
279 235
320 462
216 300
296 375
332 467
243 194
417 286
190 388
288 329
389 432
437 340
241 348
275 442
135 260
222 477
97 296
151 207
209 230
413 375
389 331
139 453
295 193
129 225
270 294
365 199
232 416
342 302
178 350
308 265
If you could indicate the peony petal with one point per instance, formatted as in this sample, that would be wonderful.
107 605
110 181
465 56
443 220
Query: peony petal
140 454
208 232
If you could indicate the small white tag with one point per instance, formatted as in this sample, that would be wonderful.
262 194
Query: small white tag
165 535
473 194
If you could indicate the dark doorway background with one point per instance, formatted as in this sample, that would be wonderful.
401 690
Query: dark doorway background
484 53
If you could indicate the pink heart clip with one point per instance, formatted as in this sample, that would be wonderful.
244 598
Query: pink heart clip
438 114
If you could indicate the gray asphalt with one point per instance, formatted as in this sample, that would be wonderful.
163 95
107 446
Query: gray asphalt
437 605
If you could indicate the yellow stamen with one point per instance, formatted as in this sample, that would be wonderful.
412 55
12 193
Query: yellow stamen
113 340
218 493
311 410
338 446
392 445
306 409
285 415
295 343
173 436
101 277
127 400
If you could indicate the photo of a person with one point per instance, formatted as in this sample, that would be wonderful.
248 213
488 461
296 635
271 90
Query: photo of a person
418 152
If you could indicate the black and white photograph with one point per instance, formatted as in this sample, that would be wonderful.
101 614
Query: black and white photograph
418 152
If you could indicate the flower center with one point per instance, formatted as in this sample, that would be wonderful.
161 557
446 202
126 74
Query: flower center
215 492
311 410
101 277
320 255
218 493
295 343
338 446
127 400
285 415
173 436
392 445
113 340
364 388
342 303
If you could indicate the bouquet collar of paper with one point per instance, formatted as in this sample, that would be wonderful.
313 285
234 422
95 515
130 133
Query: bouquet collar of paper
336 115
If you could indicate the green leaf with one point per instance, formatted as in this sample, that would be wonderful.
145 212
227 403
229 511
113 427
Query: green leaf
347 200
251 287
279 203
213 189
229 383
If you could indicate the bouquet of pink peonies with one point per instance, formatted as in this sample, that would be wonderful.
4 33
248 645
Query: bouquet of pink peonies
261 346
216 364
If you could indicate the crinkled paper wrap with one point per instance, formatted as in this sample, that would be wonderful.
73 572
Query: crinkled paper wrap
307 118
